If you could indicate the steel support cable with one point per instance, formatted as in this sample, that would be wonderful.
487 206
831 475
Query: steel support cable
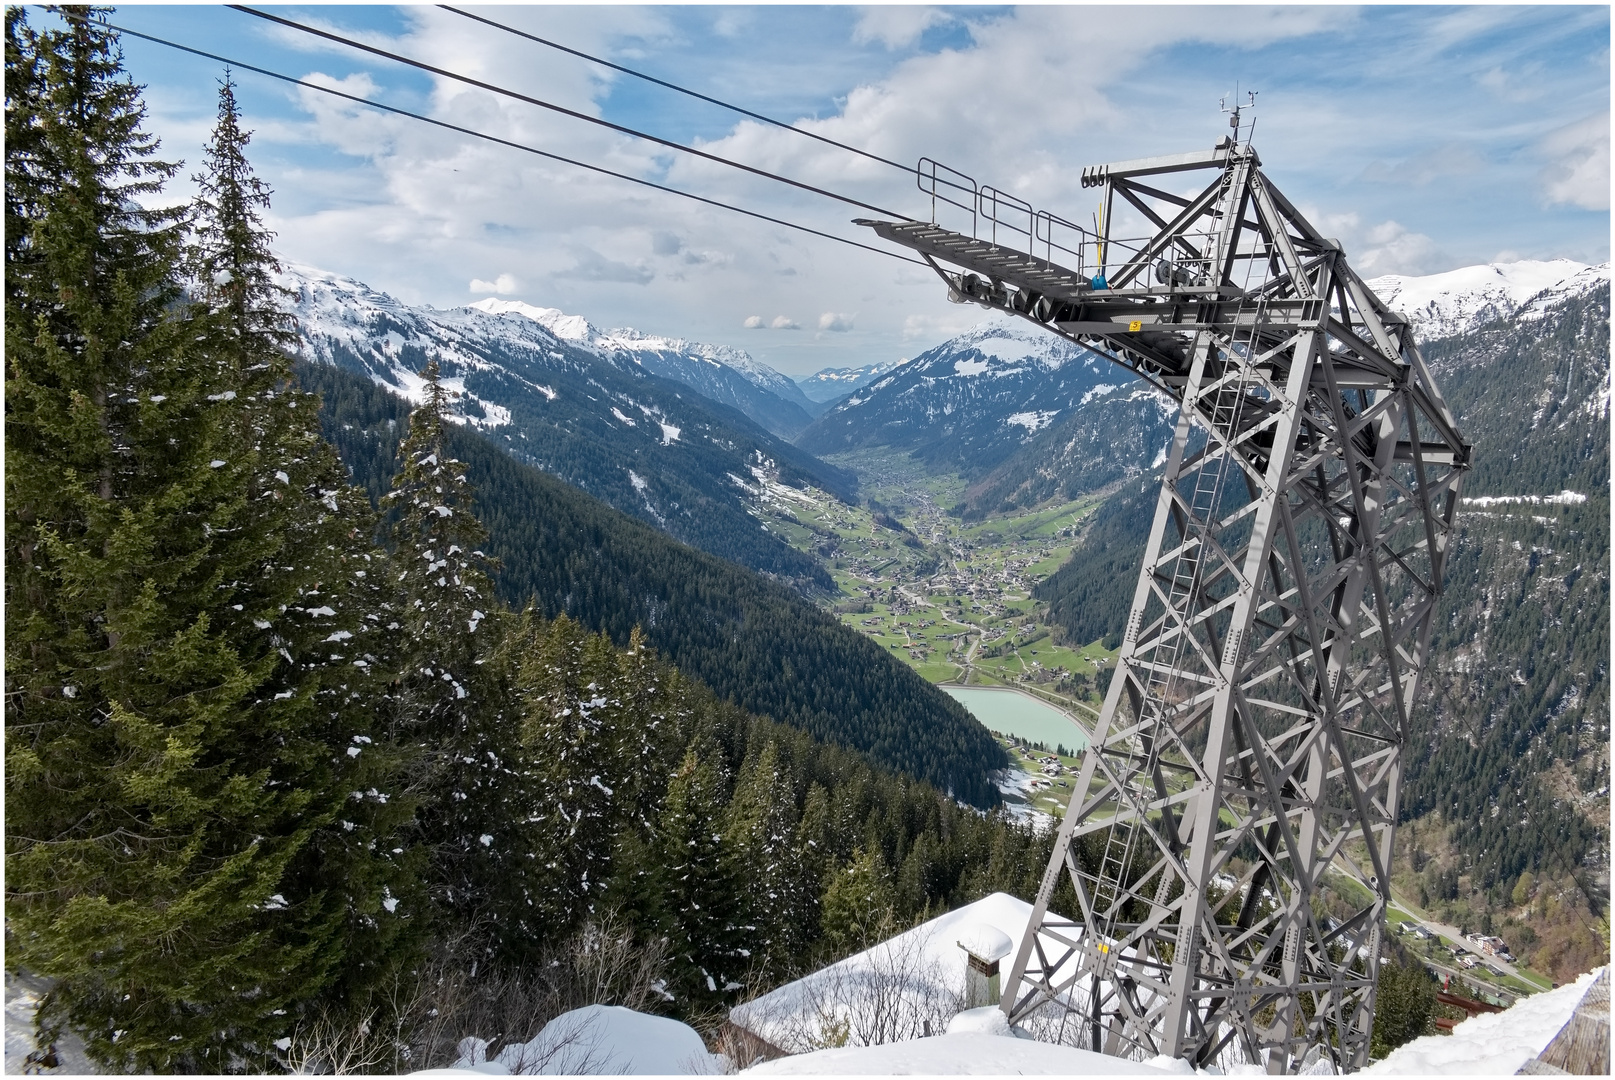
678 89
561 109
492 138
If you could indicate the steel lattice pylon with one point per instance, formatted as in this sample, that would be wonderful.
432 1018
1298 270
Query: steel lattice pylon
1252 734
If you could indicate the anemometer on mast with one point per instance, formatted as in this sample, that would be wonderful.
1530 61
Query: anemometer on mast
1251 739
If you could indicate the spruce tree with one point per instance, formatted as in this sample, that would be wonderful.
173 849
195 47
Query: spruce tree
761 833
174 744
859 904
703 886
592 733
450 700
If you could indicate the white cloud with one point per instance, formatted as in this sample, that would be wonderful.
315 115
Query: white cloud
835 322
504 285
420 212
783 322
1578 170
1394 249
593 266
1386 248
934 329
896 26
1447 159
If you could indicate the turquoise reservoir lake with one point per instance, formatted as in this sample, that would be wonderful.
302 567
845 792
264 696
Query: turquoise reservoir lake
1020 715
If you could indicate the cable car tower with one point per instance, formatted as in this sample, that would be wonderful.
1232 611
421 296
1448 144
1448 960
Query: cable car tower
1251 739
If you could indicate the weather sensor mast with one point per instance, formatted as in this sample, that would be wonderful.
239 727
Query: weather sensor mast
1251 739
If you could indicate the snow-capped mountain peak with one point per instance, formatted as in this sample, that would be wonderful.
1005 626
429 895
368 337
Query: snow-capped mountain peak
709 368
573 328
1440 305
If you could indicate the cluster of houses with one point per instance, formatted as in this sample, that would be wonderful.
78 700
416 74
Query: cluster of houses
1488 945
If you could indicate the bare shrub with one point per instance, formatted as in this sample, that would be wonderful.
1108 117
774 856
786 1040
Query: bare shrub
423 1018
895 993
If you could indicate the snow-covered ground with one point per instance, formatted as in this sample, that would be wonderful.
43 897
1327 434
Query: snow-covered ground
978 1042
900 989
23 995
599 1040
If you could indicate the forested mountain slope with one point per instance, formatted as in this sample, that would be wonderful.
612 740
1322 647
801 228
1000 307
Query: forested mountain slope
753 641
648 446
1510 748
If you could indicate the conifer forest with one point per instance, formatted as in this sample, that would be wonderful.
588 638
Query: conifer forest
282 761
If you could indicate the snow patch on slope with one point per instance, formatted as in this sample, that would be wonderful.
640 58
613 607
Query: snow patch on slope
970 366
1032 421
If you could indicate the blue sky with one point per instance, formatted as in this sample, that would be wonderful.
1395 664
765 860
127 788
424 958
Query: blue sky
1427 138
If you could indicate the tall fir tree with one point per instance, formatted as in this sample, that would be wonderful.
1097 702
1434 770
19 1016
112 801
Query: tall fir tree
451 701
703 887
780 896
171 751
314 554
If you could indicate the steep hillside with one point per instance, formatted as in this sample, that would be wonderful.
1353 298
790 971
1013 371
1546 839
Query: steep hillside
1095 445
753 641
968 404
647 445
728 376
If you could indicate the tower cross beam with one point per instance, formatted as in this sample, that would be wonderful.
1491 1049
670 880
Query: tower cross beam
1251 738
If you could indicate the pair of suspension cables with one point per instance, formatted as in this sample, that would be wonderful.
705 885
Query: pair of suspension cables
553 107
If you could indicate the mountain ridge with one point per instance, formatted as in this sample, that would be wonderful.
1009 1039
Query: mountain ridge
647 445
727 375
825 386
971 402
1456 301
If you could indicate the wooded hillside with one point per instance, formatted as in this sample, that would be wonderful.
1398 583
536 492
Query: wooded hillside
755 642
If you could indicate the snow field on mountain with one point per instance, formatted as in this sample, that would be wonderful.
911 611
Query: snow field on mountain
1444 304
579 331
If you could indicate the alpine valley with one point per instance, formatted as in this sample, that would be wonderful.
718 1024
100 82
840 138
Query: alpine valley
994 492
393 688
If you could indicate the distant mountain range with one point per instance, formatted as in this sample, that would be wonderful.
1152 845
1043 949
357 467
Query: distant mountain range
725 375
1025 416
972 402
593 409
826 385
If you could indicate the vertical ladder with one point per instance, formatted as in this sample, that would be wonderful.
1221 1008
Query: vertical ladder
1166 652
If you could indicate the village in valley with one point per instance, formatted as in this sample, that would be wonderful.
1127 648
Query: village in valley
952 598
